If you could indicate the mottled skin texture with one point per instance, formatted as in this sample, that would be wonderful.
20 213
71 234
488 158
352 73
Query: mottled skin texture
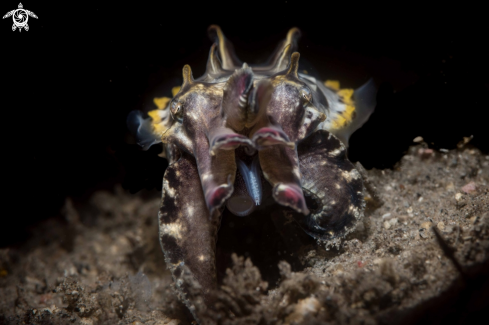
330 179
180 216
270 113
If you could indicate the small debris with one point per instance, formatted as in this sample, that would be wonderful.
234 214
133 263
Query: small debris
426 225
465 140
387 215
423 233
425 153
339 269
418 139
390 223
469 188
441 225
460 200
424 229
303 307
86 321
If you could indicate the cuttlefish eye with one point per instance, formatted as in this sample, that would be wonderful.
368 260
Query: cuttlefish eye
306 95
176 109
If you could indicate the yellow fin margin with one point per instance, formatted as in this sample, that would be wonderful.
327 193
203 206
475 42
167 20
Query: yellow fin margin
175 90
345 117
155 115
161 102
333 84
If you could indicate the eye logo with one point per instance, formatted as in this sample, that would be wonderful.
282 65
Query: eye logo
20 17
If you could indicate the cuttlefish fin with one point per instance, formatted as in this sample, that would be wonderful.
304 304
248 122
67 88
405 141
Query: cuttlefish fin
352 110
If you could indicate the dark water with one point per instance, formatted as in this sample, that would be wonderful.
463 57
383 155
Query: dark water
70 81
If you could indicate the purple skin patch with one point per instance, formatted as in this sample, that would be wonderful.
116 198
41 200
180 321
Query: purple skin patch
229 141
232 131
290 195
269 136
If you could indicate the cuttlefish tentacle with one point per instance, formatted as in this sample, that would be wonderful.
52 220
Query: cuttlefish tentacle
187 232
332 183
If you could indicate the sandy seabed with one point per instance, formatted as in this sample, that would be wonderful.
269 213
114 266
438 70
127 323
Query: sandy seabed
103 264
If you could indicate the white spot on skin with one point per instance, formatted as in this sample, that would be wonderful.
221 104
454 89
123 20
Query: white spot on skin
190 210
338 186
346 176
355 174
296 172
193 116
349 176
202 258
335 153
169 190
186 141
172 229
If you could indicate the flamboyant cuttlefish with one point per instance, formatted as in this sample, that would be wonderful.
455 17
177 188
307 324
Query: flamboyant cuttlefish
238 130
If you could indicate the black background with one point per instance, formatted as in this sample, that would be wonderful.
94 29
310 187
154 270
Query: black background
70 81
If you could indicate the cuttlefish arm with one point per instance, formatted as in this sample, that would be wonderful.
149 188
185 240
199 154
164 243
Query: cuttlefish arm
278 156
330 180
217 173
197 105
264 130
233 113
280 166
187 231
